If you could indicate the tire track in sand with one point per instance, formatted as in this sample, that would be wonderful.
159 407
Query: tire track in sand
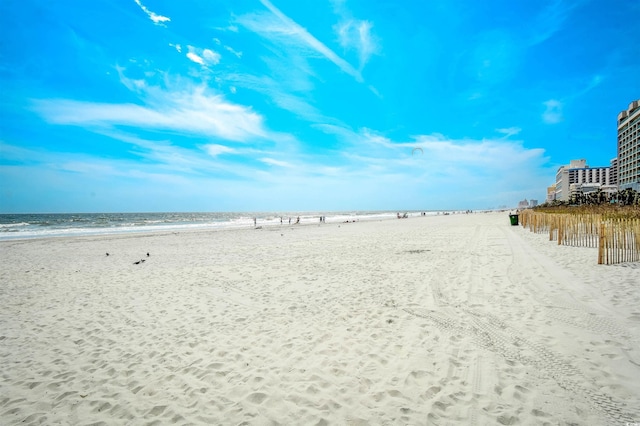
455 315
492 334
558 306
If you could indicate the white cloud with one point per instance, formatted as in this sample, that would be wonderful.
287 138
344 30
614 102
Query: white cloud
195 58
230 28
553 112
551 19
234 52
509 131
273 162
476 166
286 31
214 149
280 92
157 19
356 35
593 83
203 57
210 56
191 110
486 155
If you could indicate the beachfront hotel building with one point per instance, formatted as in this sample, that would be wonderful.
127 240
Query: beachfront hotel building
551 193
628 171
613 174
578 178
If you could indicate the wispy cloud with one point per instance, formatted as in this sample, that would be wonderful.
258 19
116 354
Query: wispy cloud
236 53
285 31
157 19
189 109
193 57
355 34
550 20
593 83
440 152
214 149
476 166
291 78
288 94
274 162
204 57
166 156
553 112
509 131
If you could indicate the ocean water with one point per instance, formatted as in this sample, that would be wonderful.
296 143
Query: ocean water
24 226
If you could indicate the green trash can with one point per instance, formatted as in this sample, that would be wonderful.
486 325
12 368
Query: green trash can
514 219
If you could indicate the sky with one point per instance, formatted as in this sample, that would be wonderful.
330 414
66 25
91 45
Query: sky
289 105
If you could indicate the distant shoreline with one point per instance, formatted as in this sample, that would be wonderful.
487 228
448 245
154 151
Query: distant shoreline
29 226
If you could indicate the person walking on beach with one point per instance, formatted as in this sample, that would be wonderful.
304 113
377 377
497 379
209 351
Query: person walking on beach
255 222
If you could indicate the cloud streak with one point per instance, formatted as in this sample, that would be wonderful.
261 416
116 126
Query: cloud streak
551 19
285 30
157 19
191 110
204 57
454 157
355 34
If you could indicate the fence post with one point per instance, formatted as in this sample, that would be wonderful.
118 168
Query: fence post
601 245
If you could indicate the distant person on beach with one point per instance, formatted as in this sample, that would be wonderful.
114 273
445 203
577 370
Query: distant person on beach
298 220
289 221
255 221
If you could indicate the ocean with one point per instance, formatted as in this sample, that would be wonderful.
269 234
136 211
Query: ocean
25 226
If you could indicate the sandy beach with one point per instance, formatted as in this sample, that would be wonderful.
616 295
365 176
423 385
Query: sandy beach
442 320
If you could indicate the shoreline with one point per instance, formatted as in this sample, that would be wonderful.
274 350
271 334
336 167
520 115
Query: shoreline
207 226
70 225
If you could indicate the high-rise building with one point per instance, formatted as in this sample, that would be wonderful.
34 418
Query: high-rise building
551 193
629 147
613 175
578 177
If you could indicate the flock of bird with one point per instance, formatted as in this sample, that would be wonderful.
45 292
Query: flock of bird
139 261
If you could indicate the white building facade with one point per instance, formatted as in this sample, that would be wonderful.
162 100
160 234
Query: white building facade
629 147
578 178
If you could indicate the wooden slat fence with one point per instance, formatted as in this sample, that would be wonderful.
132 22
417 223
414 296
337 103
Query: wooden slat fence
617 239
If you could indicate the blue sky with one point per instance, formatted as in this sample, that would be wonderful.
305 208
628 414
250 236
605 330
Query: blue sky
281 105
